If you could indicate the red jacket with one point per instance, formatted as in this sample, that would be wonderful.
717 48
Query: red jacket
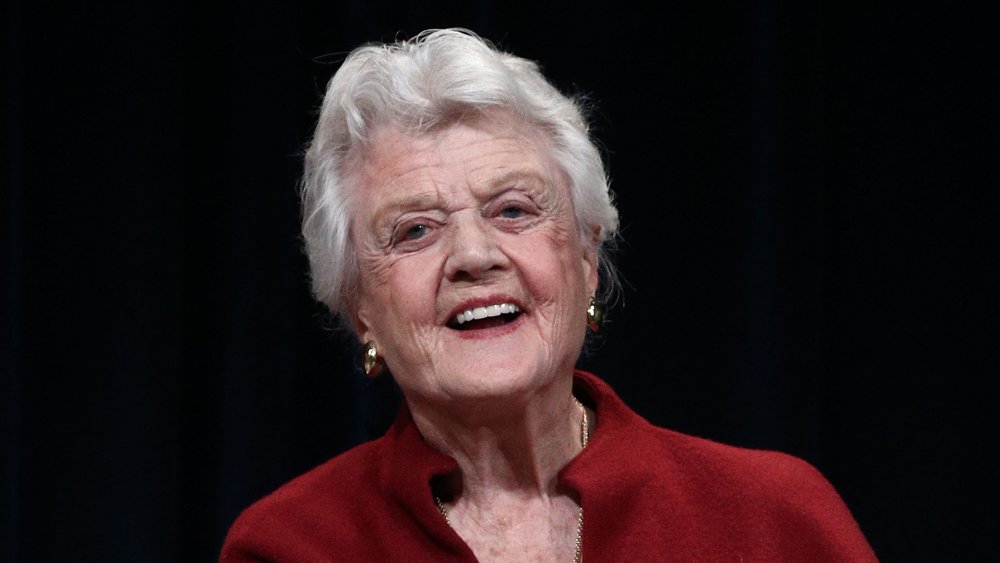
649 494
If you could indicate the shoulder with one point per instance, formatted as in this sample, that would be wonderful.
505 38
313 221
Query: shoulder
696 463
777 495
285 523
764 472
345 475
739 500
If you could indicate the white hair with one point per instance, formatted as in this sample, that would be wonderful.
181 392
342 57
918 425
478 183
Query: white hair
417 85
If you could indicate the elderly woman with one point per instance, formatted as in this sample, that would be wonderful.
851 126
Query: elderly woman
456 215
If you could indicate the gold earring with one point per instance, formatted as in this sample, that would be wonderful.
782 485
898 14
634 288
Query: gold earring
371 362
594 315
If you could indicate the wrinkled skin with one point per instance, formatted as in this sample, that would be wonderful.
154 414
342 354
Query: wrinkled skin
474 213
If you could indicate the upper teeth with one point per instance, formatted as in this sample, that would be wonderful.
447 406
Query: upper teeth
484 312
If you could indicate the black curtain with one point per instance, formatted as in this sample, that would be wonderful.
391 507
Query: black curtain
809 208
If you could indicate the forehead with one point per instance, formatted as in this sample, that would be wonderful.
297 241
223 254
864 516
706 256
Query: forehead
467 153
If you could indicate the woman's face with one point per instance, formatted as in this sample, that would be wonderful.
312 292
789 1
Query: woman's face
474 219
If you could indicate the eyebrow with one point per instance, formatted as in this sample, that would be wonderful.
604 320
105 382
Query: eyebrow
396 205
431 199
528 175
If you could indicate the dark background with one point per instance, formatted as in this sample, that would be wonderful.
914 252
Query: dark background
809 201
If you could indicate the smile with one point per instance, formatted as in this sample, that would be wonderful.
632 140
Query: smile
488 312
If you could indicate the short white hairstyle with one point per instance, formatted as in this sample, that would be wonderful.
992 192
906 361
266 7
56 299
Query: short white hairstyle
418 85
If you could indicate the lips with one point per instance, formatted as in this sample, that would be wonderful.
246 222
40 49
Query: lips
485 316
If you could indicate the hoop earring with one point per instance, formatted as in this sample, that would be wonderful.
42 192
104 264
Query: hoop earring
371 362
594 315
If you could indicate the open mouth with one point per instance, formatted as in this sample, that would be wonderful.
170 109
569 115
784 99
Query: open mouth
485 317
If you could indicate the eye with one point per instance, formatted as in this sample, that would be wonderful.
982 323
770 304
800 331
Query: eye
415 232
512 211
515 213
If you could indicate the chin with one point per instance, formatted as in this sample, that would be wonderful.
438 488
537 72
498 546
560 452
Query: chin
498 380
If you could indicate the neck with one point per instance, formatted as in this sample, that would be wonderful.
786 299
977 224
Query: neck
506 448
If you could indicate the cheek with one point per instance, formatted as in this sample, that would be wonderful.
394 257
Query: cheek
398 292
374 294
551 264
569 254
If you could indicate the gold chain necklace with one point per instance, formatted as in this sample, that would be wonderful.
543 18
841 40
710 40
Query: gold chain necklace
584 439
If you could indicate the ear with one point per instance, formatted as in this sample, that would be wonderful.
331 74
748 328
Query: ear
359 318
591 266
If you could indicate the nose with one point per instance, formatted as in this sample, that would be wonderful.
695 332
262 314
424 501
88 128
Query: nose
474 250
